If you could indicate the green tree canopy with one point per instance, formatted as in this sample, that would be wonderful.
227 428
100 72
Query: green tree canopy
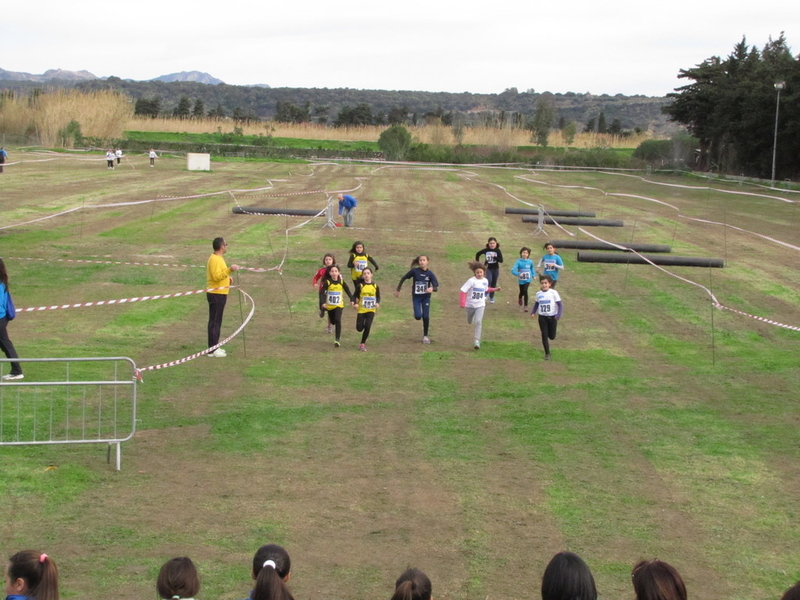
395 142
730 107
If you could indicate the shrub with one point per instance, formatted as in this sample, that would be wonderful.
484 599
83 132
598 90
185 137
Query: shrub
395 142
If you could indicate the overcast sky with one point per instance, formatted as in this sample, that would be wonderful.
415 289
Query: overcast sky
614 47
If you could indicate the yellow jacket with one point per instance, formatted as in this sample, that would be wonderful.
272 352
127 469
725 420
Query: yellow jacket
217 274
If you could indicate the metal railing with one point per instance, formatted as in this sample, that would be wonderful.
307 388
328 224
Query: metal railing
69 401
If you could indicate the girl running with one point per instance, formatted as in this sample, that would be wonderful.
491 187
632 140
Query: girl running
30 574
271 570
358 260
523 270
178 579
552 263
327 260
424 282
367 299
330 298
473 298
492 259
548 308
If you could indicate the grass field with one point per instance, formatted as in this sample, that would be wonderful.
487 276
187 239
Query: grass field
661 428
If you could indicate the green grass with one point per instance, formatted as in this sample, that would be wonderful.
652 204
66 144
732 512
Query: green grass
662 427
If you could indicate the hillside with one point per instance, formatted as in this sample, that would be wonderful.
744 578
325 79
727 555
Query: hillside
325 104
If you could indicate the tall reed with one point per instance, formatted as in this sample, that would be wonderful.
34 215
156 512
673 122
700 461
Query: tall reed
101 114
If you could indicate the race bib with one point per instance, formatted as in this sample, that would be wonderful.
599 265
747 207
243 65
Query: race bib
545 308
477 294
550 266
420 287
334 298
368 302
360 265
525 275
491 258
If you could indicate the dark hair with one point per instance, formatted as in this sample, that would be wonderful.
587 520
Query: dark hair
546 244
492 239
546 278
270 576
328 271
657 580
523 249
3 273
333 258
474 265
178 577
567 577
415 261
793 593
38 571
218 243
357 243
413 584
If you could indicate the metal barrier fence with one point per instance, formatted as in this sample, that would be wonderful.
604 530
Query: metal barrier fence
69 401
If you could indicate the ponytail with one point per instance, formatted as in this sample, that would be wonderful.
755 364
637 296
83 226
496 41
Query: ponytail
38 571
413 584
271 567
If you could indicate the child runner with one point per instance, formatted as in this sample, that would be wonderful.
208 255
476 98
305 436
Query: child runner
552 263
272 568
524 271
30 574
327 260
367 299
492 259
473 298
358 260
330 298
548 307
424 282
178 579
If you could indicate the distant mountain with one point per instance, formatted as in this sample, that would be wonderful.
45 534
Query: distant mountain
193 76
48 75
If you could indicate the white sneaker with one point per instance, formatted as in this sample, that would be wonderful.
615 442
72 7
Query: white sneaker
218 353
10 377
426 339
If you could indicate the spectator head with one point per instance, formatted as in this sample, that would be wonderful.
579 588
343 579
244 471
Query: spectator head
657 580
178 579
567 577
413 584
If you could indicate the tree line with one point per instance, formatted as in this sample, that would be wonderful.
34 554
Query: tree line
731 106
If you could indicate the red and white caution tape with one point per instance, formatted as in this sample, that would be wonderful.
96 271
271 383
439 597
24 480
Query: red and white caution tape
131 263
714 302
137 374
121 300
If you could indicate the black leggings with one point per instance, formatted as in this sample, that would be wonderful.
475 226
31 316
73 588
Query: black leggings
548 327
364 324
523 292
335 319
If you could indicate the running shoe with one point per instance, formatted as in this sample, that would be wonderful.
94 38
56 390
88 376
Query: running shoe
547 356
363 347
426 339
11 377
477 345
330 328
218 353
336 344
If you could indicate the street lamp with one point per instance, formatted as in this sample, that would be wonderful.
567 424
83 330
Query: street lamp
778 86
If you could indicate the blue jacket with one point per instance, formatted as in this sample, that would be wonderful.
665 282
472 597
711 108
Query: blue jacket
3 295
347 201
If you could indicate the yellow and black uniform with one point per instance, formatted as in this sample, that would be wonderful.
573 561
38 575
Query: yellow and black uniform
358 262
368 296
217 275
331 298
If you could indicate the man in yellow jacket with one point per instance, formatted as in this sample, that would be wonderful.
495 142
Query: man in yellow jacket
218 275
